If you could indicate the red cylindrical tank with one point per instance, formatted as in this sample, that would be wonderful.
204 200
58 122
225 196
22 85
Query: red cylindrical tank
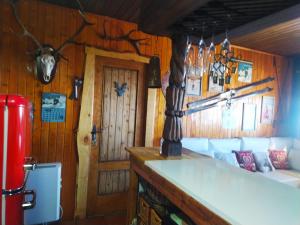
15 143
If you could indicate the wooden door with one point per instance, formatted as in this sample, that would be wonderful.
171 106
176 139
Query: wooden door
120 122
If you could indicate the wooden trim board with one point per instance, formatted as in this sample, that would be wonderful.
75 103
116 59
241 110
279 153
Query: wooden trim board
117 55
84 136
86 120
150 118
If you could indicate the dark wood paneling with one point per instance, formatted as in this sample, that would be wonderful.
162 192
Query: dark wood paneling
53 24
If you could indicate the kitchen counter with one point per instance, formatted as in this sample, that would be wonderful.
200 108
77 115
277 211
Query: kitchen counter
237 196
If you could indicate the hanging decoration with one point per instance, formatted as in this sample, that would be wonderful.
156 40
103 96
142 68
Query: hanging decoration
220 66
154 70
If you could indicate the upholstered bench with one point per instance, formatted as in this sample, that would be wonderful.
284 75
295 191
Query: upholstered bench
213 147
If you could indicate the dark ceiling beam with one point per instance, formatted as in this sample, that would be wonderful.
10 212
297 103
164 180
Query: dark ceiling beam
157 17
261 24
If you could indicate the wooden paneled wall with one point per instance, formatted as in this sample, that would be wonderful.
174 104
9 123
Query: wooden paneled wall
208 123
57 141
52 25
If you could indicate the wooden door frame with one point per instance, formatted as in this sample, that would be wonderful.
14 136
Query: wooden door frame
86 121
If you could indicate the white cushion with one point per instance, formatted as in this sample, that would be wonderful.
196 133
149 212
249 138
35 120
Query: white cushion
280 143
229 158
296 143
224 144
283 177
255 144
199 145
294 159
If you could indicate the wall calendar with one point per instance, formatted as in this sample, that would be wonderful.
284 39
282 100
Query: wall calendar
53 107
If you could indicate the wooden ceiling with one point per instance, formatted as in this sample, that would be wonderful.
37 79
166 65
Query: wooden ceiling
206 17
282 39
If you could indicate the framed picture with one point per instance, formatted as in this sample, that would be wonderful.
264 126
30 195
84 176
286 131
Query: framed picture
229 120
193 82
216 71
53 107
249 117
267 109
245 72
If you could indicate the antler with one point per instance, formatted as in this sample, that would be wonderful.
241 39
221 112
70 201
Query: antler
134 42
71 40
25 31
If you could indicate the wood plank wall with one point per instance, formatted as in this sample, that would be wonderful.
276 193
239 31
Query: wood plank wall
56 141
208 123
52 24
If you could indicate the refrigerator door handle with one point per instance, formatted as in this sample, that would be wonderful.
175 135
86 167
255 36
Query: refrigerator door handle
29 204
30 163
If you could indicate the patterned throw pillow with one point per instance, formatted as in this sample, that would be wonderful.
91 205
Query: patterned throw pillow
279 159
246 160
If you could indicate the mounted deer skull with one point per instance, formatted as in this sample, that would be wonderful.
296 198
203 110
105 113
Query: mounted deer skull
46 56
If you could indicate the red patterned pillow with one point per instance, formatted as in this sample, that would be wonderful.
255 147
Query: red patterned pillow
279 159
246 160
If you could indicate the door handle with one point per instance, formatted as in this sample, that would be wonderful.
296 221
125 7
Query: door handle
29 204
30 163
94 134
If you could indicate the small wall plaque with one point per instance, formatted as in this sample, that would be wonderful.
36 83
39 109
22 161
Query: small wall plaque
53 107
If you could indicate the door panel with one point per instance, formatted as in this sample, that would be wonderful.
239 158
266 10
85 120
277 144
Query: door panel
118 127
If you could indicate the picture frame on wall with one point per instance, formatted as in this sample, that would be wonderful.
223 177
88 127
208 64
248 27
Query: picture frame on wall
249 117
229 120
245 72
193 82
267 109
215 73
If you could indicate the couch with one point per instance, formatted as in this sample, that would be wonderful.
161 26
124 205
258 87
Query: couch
213 147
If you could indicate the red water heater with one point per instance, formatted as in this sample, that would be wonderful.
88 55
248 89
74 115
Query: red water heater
15 145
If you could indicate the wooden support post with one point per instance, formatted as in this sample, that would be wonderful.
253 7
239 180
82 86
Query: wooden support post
150 119
84 136
175 93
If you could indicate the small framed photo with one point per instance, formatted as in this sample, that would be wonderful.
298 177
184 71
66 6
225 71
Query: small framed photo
245 72
193 82
267 109
249 117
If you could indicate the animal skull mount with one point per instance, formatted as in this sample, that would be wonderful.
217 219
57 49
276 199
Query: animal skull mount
46 56
45 64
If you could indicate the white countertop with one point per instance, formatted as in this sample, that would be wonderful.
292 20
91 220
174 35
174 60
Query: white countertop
236 195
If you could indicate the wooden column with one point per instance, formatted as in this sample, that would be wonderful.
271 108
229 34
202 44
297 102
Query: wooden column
175 93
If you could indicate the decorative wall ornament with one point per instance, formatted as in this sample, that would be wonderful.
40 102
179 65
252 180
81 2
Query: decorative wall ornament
128 37
46 57
267 109
77 83
245 71
153 75
120 89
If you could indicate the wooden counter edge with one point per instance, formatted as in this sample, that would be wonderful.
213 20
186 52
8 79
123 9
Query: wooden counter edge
196 211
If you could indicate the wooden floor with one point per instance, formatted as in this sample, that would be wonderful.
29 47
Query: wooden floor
113 220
